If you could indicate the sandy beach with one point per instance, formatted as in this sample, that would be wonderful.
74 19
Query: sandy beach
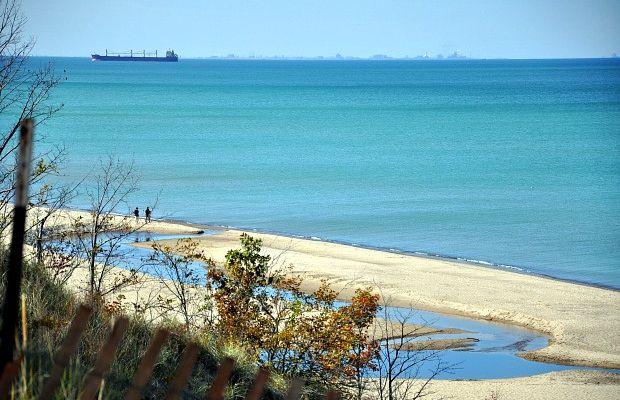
65 218
574 385
581 321
147 287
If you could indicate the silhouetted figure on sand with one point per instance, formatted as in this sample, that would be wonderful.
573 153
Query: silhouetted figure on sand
147 215
136 214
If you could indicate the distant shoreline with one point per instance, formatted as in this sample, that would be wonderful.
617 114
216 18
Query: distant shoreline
345 59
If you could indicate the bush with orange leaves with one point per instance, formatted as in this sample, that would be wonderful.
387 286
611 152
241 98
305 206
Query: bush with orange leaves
264 311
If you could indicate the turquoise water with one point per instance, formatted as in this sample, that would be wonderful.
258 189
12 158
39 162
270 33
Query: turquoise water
515 163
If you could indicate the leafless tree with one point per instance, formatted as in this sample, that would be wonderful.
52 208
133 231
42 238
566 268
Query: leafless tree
183 278
100 236
53 243
406 353
24 93
47 201
24 89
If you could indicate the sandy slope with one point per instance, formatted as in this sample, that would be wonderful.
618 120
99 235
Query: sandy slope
573 385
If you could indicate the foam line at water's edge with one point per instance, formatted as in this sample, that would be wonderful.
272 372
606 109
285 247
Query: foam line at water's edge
416 253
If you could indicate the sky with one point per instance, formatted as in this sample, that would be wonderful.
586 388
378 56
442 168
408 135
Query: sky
362 28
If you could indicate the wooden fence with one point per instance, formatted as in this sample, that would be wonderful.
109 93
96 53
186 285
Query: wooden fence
92 382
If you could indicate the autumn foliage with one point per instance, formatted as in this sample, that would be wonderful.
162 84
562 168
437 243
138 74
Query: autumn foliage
265 312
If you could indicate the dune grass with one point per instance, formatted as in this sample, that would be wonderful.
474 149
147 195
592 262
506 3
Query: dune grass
49 311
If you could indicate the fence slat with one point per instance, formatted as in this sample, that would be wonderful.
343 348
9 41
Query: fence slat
145 369
66 350
9 375
221 379
258 387
183 372
332 395
294 390
104 360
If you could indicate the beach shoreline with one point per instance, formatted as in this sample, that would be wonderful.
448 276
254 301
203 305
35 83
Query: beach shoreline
568 344
312 259
346 289
421 254
183 226
575 385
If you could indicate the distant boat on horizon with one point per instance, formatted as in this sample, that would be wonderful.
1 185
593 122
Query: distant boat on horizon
171 56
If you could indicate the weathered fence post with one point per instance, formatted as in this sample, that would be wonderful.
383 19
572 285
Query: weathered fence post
294 389
65 351
104 360
257 389
184 370
221 379
332 395
145 369
10 310
9 375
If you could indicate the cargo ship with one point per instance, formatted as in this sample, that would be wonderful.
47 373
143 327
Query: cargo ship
171 56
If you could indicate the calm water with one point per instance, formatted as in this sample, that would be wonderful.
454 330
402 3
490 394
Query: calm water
509 162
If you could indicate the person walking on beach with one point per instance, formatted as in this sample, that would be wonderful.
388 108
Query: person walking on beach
147 215
136 214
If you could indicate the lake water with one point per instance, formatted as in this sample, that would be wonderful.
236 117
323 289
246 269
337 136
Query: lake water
514 163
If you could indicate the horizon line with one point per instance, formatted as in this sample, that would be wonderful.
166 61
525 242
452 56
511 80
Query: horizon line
378 57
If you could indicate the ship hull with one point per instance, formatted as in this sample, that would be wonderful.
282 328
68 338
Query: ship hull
97 57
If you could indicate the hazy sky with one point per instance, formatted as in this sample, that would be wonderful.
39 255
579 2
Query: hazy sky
195 28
